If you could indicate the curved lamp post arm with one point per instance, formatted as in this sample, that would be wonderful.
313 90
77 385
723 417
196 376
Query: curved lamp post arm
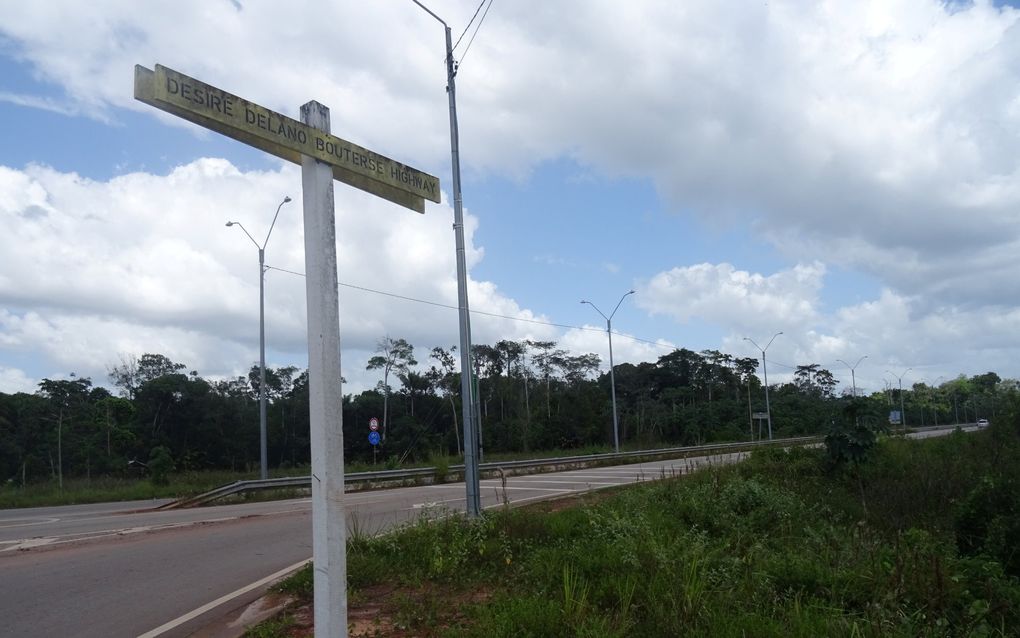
429 12
285 200
241 226
596 309
625 295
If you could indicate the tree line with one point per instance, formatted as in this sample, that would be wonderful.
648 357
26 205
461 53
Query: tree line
531 396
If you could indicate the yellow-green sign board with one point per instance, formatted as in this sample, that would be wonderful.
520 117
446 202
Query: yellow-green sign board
284 137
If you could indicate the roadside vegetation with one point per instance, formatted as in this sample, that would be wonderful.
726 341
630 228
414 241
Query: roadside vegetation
900 538
161 430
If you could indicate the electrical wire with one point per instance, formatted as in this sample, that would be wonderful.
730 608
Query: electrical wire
469 24
482 312
468 47
437 304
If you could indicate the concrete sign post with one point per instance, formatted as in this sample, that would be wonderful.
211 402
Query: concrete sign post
325 397
323 158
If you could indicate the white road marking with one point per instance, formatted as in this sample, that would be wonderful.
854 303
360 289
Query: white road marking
33 521
571 482
191 615
44 541
626 478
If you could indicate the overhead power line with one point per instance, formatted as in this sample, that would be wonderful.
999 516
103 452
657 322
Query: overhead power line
481 312
468 47
482 3
438 304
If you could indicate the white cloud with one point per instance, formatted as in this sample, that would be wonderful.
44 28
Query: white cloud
143 263
893 331
722 294
626 348
13 380
36 102
878 136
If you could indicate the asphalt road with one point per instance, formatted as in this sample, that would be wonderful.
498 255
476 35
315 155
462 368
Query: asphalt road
124 570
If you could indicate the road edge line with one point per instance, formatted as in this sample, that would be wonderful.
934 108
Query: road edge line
195 613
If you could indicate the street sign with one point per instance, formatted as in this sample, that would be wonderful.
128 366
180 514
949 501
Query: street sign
894 417
323 158
373 424
761 415
284 137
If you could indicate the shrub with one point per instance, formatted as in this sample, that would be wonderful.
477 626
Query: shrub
161 464
988 522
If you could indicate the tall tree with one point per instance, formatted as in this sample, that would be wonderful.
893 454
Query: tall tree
508 352
447 381
746 367
135 372
68 400
545 361
394 355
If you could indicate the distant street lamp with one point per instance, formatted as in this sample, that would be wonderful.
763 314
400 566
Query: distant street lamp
903 412
263 454
853 379
935 399
612 376
765 369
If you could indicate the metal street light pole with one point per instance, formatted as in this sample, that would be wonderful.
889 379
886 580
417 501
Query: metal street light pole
263 453
903 411
474 505
853 378
612 375
935 399
765 369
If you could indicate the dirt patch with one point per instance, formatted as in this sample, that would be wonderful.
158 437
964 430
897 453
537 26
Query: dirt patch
385 611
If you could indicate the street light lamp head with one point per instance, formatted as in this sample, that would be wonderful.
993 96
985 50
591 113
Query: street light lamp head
286 198
229 224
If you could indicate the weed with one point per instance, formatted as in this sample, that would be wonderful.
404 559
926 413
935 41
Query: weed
775 547
273 628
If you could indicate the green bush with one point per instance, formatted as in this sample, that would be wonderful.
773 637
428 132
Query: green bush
988 522
161 464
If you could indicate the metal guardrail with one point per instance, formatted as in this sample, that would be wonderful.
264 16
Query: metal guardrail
382 476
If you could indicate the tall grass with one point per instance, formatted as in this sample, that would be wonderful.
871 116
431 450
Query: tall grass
779 546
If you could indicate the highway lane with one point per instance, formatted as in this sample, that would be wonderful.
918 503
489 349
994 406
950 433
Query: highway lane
111 570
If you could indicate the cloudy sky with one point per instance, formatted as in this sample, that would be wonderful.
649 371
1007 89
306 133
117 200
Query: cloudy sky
844 172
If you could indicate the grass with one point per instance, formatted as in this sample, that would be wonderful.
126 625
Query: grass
917 542
111 489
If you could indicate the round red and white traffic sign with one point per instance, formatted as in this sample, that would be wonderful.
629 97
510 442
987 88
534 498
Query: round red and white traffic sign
373 424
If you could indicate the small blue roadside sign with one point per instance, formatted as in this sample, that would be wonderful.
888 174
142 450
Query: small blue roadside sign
373 437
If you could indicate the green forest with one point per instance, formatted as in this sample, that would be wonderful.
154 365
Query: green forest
533 396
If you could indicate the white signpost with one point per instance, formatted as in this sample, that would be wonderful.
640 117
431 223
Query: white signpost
323 158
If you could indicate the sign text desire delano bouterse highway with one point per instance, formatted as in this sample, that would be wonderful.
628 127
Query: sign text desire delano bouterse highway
284 137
